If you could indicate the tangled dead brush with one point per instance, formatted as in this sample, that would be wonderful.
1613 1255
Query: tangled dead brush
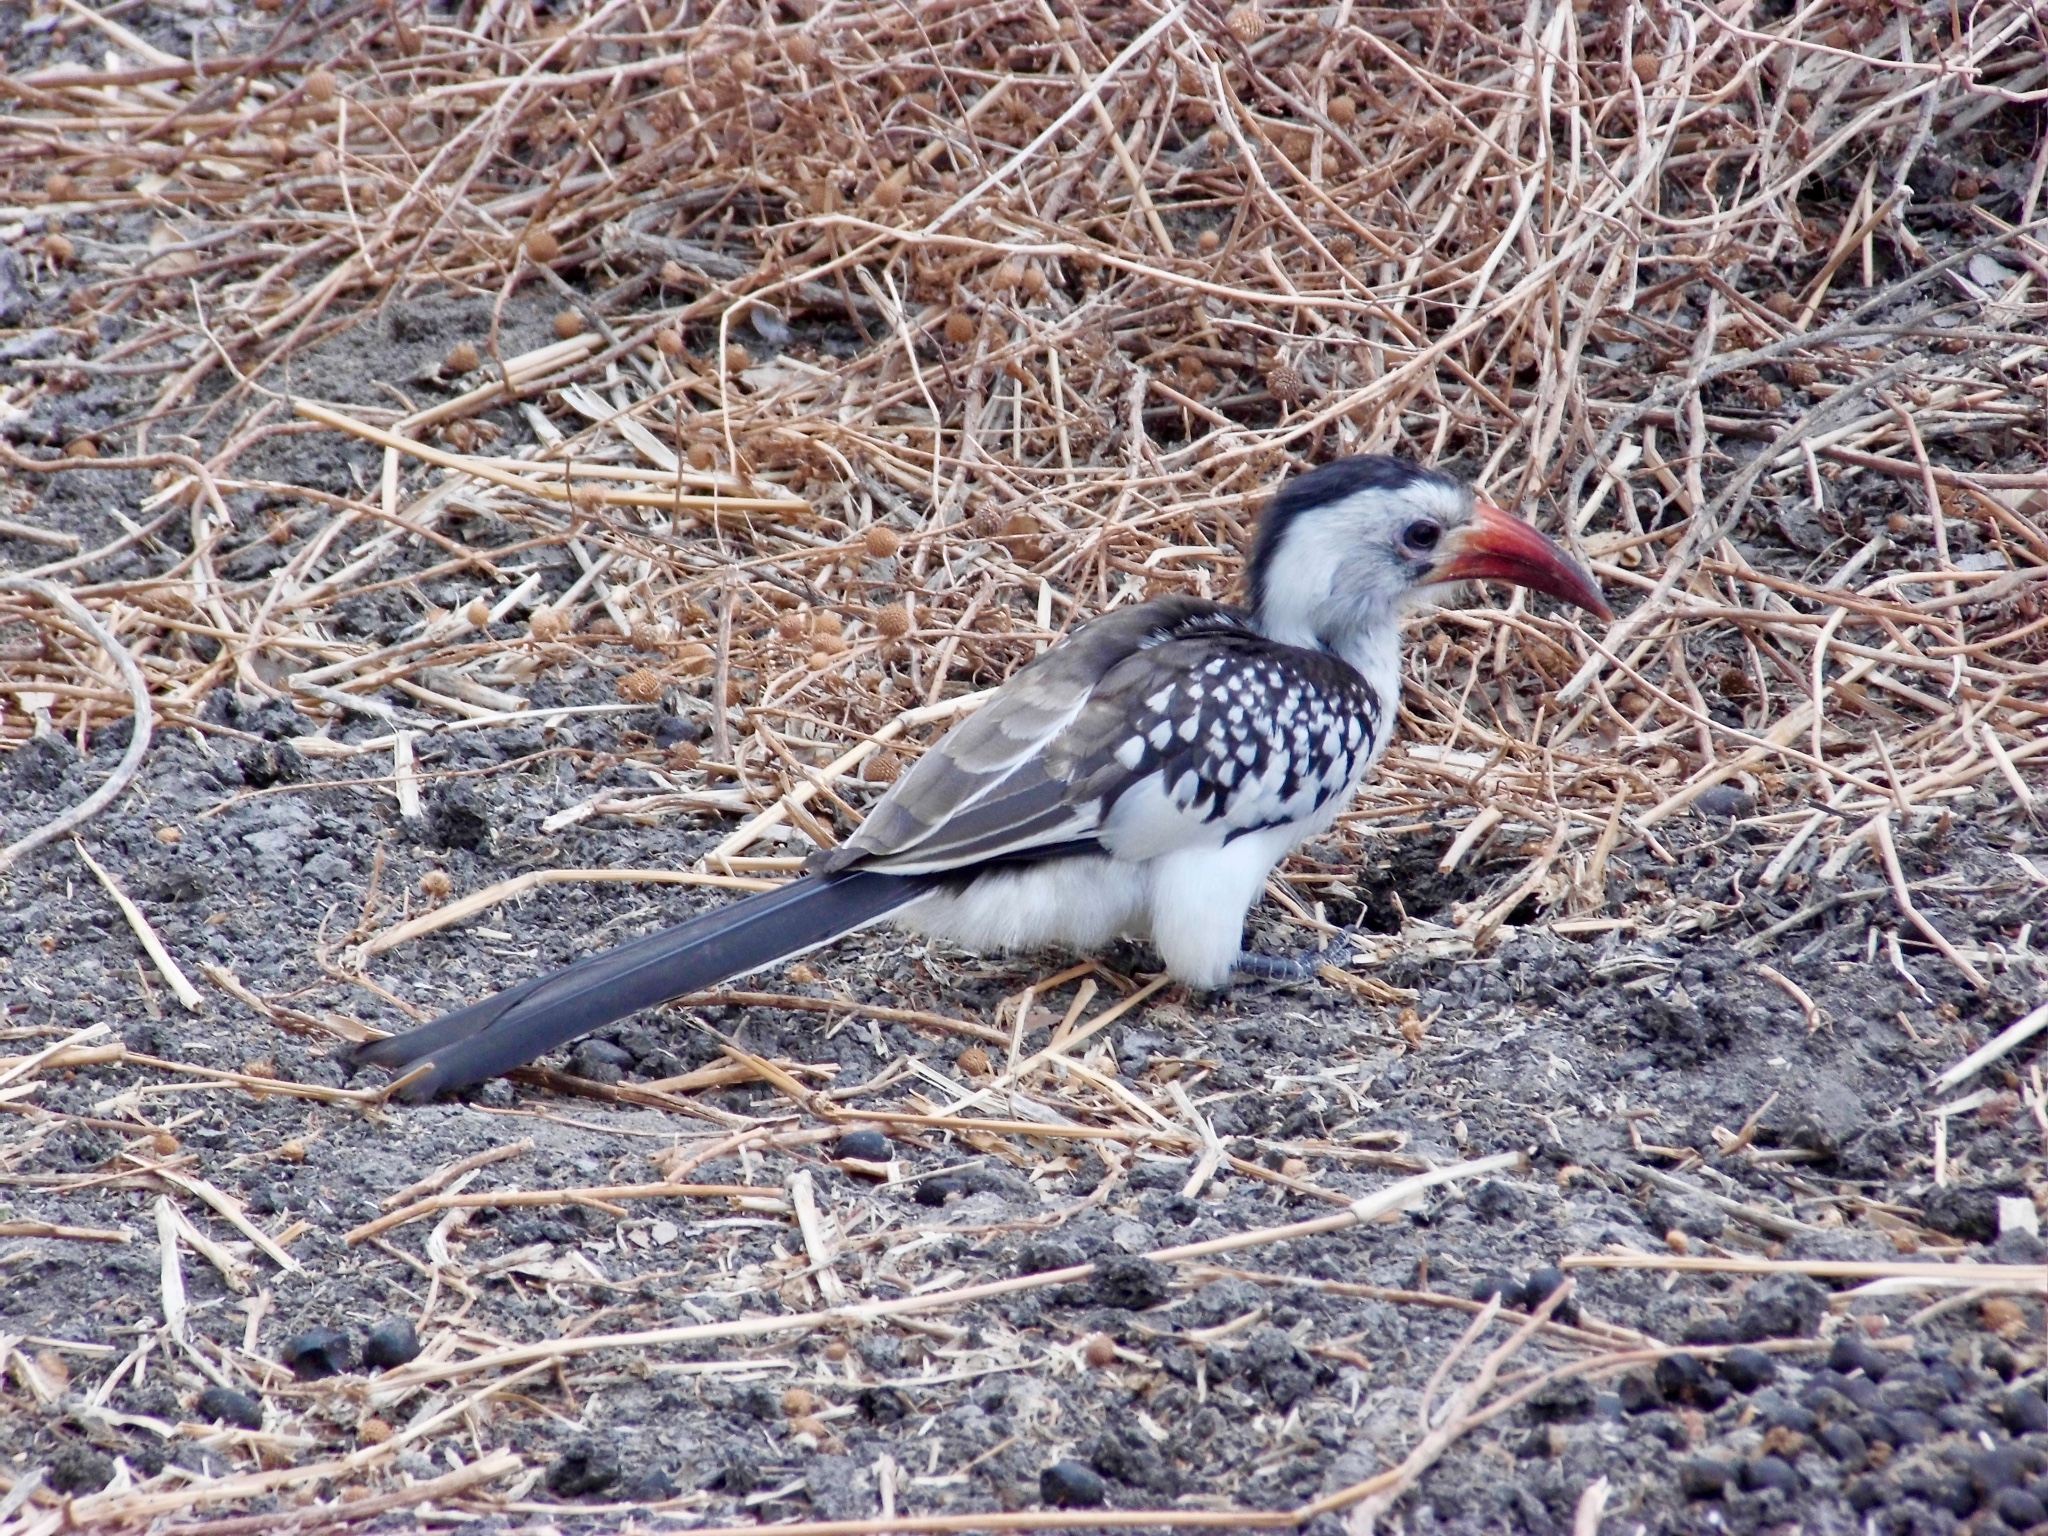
893 339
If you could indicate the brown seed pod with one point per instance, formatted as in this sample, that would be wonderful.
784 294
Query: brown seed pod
478 613
436 884
1801 374
800 50
825 622
568 323
639 686
1342 111
1246 22
1285 383
543 247
827 646
646 636
797 1402
885 767
58 249
1008 275
459 435
973 1062
587 498
703 455
321 86
737 359
60 188
1100 1350
893 622
1645 66
170 837
959 328
461 358
882 542
548 624
81 448
280 531
370 1431
1207 242
793 626
672 274
1035 282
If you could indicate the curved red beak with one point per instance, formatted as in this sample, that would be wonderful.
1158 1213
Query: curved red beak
1497 547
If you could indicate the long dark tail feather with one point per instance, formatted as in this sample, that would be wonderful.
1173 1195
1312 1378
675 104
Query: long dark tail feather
513 1027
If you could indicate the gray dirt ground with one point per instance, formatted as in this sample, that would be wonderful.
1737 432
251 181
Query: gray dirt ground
1571 1050
1594 1056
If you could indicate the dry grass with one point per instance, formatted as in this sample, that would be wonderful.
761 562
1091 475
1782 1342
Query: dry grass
898 339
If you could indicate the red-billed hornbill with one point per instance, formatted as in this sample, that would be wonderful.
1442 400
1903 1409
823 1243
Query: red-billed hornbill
1142 778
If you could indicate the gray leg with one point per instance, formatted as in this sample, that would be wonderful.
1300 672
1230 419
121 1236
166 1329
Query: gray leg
1295 968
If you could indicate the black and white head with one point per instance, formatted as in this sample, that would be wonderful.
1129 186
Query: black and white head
1343 550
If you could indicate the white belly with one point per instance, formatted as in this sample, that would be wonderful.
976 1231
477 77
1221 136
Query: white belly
1190 905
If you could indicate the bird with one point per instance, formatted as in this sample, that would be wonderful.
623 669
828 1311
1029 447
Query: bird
1141 778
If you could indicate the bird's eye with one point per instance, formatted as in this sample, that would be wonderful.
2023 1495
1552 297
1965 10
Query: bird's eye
1421 534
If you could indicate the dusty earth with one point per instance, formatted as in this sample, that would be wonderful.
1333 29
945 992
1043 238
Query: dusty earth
1597 1057
1667 1092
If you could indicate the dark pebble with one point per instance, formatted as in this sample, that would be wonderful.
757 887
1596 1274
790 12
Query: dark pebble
392 1342
79 1469
2019 1508
1538 1289
1843 1443
1953 1494
1638 1392
1852 1352
1071 1485
1781 1307
1865 1494
2024 1412
586 1467
1489 1286
595 1062
674 730
1747 1369
1863 1393
651 1486
1914 1427
2004 1467
1724 802
1130 1282
936 1191
1709 1330
1783 1415
1770 1472
1680 1378
1702 1477
227 1406
1876 1429
866 1145
319 1353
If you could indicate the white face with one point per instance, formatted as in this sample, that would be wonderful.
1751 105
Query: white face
1355 563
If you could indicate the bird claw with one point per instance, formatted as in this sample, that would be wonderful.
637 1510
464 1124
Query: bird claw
1294 968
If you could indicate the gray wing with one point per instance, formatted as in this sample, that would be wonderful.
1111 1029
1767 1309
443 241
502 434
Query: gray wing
1121 702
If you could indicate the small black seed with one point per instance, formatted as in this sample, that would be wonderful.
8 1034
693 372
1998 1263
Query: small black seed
319 1353
1843 1443
1747 1369
935 1191
1702 1477
2019 1508
1769 1472
227 1406
392 1342
866 1145
1070 1485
